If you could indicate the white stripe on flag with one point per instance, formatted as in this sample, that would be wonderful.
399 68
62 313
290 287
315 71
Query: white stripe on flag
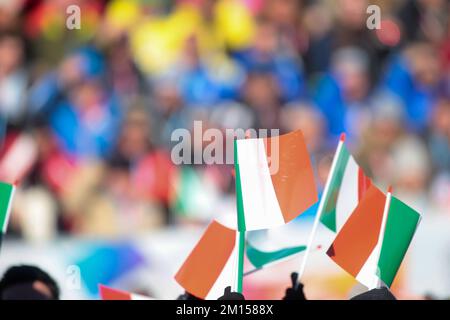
228 276
320 209
369 275
348 193
8 212
135 296
261 209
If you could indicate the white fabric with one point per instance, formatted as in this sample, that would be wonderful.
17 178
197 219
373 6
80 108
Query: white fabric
228 275
261 207
347 200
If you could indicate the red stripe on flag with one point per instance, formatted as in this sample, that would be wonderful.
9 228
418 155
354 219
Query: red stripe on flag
364 184
107 293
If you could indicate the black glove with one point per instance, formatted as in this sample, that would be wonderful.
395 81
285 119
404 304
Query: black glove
296 291
187 296
375 294
228 295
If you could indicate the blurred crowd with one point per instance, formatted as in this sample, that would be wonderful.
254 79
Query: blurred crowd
86 115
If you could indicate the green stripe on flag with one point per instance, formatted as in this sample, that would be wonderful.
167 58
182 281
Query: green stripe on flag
328 216
188 184
261 258
241 261
239 201
189 194
401 225
5 203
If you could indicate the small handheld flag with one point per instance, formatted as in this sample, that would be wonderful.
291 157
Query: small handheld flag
260 259
374 240
274 180
345 186
107 293
6 197
212 264
17 156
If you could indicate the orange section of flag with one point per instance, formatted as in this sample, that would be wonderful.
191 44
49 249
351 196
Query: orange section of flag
292 173
107 293
208 258
359 235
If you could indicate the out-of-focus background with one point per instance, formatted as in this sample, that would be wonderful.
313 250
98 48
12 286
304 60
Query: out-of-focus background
86 117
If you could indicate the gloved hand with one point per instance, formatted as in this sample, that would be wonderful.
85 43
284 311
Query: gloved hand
376 294
228 295
187 296
296 291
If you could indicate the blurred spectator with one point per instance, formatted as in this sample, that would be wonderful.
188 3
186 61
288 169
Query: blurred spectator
269 53
343 95
13 77
205 81
439 136
85 125
90 112
411 171
28 283
414 77
310 120
262 94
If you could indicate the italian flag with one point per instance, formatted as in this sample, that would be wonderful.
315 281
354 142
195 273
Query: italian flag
214 264
17 156
274 180
263 258
6 197
107 293
344 189
262 250
373 242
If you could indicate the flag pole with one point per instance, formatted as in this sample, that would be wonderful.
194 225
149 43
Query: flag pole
321 205
377 279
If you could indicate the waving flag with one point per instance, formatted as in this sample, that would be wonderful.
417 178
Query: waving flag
274 180
259 258
107 293
264 250
213 263
17 156
373 242
6 196
345 187
401 224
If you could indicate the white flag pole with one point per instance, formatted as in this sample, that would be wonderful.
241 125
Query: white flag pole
321 206
377 279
